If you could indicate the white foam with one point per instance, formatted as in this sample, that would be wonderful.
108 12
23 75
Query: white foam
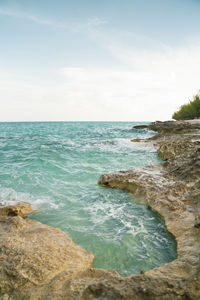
9 196
125 143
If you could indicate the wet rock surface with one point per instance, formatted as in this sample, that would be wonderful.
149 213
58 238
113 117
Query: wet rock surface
41 262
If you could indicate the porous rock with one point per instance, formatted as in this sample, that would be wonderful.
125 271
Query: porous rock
32 254
173 190
21 209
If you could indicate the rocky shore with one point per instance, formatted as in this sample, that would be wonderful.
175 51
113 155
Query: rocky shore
42 262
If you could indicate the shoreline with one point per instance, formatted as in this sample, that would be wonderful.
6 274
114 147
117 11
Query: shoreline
171 188
162 193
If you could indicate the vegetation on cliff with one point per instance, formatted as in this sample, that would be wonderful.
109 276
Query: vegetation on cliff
190 110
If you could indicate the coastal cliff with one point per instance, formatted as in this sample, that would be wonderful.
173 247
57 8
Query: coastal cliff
42 262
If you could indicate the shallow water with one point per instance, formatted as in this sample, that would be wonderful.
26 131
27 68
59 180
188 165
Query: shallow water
55 166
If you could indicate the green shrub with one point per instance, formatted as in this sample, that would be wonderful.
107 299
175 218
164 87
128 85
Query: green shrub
189 111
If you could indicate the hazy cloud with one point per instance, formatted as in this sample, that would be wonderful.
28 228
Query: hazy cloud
149 80
153 86
74 27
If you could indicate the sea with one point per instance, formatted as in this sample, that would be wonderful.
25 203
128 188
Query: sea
56 166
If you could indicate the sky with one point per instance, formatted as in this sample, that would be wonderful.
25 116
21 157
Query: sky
97 60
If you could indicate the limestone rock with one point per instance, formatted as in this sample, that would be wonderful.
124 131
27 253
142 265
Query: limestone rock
21 209
32 254
137 140
173 190
172 127
140 127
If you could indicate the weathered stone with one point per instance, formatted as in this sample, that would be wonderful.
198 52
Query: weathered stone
136 140
172 127
173 190
21 209
140 127
32 254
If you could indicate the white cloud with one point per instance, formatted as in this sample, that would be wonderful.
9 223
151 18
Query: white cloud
75 27
148 82
93 22
151 86
25 15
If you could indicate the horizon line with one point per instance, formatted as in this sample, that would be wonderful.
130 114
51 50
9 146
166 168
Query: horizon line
66 121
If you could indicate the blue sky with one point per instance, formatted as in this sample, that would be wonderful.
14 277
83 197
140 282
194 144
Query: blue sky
133 60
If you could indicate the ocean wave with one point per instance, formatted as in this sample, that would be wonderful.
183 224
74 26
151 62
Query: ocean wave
9 196
125 144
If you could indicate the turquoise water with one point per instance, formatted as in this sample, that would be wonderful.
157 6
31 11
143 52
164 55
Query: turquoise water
55 166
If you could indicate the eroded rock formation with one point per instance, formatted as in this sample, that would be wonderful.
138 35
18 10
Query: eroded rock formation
21 209
32 254
173 190
40 262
